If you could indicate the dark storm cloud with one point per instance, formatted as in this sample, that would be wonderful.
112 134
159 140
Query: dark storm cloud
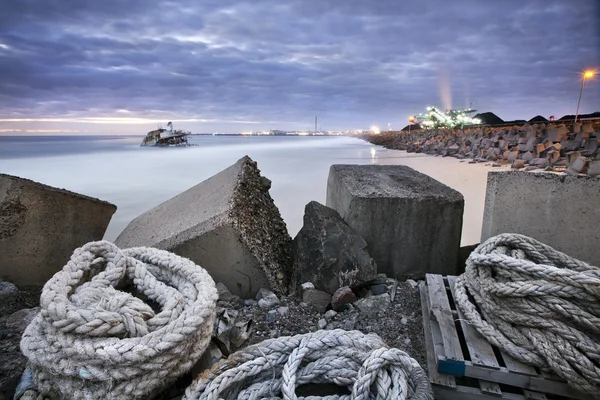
355 61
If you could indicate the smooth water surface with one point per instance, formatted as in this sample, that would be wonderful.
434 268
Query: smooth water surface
116 169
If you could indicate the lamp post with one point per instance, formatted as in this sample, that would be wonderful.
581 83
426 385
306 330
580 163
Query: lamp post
586 75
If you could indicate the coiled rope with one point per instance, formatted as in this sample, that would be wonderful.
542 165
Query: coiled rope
539 305
274 368
93 341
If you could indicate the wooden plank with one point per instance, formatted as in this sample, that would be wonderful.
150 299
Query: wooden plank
534 383
479 348
440 308
534 395
469 393
517 366
434 376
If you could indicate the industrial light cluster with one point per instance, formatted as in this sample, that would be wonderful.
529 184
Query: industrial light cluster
435 118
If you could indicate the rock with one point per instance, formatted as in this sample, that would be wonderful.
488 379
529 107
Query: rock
541 215
594 168
579 164
40 226
412 283
330 314
404 321
7 290
518 164
341 297
272 316
19 320
379 289
227 224
283 311
266 299
307 285
411 222
224 293
317 299
322 324
328 253
349 324
374 304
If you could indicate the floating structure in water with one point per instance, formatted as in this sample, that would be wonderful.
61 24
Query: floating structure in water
166 137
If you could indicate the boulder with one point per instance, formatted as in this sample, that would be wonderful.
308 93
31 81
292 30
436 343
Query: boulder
228 225
374 305
40 226
328 253
411 222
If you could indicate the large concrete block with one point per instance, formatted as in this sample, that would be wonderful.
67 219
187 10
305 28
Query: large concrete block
40 226
228 225
411 222
559 210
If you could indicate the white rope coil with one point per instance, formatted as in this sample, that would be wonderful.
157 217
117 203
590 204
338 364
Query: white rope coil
539 305
93 341
273 369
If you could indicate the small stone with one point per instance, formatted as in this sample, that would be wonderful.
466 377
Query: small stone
19 320
412 283
330 314
374 305
264 293
341 297
271 316
307 286
379 289
407 341
223 292
274 333
317 299
404 321
248 302
322 323
349 324
7 289
283 311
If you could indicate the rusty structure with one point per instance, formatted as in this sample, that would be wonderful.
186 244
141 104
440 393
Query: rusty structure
166 137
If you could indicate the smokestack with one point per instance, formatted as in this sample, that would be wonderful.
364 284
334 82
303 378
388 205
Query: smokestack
315 124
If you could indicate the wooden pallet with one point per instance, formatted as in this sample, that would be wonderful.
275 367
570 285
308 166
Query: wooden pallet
463 365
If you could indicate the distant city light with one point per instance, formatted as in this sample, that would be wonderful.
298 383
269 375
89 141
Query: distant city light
375 129
588 74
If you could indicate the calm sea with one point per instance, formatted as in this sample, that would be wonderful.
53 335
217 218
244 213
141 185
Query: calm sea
118 170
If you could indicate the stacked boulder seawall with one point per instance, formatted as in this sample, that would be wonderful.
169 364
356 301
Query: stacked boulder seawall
227 224
572 149
41 225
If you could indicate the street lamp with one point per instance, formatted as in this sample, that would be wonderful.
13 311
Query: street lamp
586 75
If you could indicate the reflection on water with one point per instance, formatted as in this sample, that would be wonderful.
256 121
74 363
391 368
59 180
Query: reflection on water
116 169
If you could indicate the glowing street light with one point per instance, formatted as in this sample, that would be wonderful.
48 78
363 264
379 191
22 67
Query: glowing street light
586 75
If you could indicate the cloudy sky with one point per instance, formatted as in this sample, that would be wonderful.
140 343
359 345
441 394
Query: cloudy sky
116 66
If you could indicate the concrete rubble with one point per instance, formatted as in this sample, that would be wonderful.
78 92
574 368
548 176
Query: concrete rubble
411 222
40 226
560 147
328 253
227 224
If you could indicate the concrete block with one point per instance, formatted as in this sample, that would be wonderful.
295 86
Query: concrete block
411 222
40 226
553 208
228 225
594 168
587 128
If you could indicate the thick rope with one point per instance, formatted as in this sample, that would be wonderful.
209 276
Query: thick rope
93 341
539 305
274 368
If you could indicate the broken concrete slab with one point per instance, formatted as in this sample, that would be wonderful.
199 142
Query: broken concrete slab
534 204
228 225
40 226
411 222
328 253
